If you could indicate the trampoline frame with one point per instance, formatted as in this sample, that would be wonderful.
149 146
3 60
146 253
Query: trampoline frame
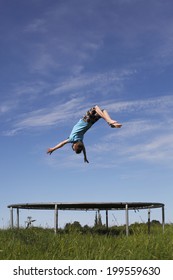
89 206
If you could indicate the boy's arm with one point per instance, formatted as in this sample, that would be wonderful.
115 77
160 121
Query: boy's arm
85 156
60 145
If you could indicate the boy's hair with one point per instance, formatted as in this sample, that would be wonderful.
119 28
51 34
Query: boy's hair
78 147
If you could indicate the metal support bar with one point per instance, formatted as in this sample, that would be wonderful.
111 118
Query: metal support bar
149 212
107 219
127 220
18 218
163 218
56 219
11 217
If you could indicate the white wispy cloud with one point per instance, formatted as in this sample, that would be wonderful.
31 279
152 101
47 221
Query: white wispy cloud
138 140
37 25
27 89
153 105
136 128
4 108
97 80
158 149
44 117
44 62
62 112
8 106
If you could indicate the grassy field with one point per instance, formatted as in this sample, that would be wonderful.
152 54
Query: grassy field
43 244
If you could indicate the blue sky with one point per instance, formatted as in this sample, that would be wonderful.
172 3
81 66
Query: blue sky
58 58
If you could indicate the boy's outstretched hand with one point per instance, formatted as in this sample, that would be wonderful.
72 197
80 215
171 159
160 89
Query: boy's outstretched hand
85 160
49 151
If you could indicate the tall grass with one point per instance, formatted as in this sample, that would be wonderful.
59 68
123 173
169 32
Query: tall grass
43 244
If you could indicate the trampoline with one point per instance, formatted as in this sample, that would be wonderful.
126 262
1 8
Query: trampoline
89 206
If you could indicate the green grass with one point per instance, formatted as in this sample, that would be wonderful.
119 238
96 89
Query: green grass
43 244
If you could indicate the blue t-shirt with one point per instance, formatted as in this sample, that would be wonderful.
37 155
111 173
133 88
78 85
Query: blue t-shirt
78 131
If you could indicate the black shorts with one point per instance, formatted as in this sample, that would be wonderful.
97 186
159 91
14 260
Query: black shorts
91 116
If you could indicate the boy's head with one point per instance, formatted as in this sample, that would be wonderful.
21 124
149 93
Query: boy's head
78 147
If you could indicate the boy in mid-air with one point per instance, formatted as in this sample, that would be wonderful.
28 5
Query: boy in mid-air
78 131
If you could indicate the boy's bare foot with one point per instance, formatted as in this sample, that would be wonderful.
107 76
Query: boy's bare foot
115 124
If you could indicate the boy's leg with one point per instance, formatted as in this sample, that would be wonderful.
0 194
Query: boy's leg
104 114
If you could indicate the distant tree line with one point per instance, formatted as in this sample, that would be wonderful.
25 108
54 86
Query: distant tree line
101 228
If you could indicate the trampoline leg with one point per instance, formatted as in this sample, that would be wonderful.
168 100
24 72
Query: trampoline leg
163 218
56 219
11 217
107 219
18 218
149 221
127 220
